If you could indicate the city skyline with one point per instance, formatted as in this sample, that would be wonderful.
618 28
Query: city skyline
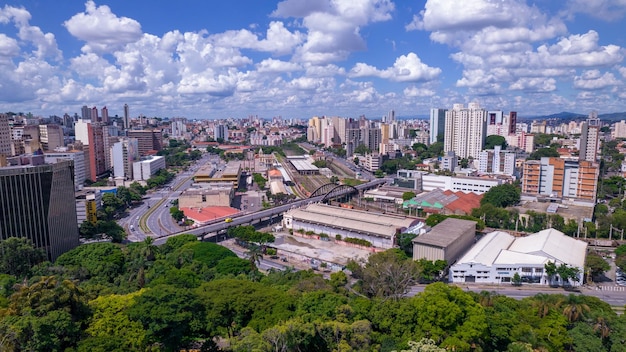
299 59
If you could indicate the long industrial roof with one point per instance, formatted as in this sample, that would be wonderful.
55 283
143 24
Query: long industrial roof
381 225
303 165
446 232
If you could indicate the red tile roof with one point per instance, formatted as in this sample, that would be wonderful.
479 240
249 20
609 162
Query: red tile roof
208 214
465 202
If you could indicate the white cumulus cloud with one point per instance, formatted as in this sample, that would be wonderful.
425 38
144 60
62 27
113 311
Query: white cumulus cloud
101 29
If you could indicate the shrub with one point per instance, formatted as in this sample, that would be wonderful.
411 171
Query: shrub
358 241
338 237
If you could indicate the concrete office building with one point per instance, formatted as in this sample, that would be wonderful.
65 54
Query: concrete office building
37 202
465 130
77 157
123 155
51 137
202 195
148 141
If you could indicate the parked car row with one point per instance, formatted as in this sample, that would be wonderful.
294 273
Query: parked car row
620 277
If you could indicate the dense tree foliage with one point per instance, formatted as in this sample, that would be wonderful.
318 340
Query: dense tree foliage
494 140
18 256
187 293
543 152
502 196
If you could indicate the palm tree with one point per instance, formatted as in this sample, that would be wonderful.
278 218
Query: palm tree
602 327
149 249
544 303
254 255
486 298
574 308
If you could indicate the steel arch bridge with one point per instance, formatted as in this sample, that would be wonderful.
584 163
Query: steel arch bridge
331 191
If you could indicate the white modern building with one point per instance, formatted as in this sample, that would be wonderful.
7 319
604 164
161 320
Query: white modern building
454 183
496 161
77 156
465 130
497 256
144 169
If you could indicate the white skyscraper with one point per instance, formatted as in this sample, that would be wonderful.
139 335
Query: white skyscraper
465 130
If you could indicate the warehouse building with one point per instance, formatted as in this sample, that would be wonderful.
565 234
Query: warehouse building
447 240
303 166
498 256
378 229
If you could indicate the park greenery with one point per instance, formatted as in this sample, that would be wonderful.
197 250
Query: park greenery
191 294
177 155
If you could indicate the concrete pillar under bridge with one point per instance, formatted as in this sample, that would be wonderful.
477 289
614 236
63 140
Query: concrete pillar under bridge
215 237
222 235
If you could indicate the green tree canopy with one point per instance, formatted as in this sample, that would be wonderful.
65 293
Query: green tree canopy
18 256
502 196
543 152
493 140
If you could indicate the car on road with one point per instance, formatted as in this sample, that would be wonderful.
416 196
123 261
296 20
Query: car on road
228 220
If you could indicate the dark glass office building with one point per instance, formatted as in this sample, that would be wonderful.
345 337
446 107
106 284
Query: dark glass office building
37 202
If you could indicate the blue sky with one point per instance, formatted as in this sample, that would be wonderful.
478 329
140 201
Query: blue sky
300 58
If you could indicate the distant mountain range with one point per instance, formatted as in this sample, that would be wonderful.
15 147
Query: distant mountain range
564 115
569 116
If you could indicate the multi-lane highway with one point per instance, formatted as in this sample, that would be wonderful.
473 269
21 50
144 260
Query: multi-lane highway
152 216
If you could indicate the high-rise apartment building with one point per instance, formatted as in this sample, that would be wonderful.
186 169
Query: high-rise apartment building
37 202
557 177
220 132
496 161
465 130
619 129
437 124
590 138
105 115
91 135
94 115
85 113
5 136
126 117
339 127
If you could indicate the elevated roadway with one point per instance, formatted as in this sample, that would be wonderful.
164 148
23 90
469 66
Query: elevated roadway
212 230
